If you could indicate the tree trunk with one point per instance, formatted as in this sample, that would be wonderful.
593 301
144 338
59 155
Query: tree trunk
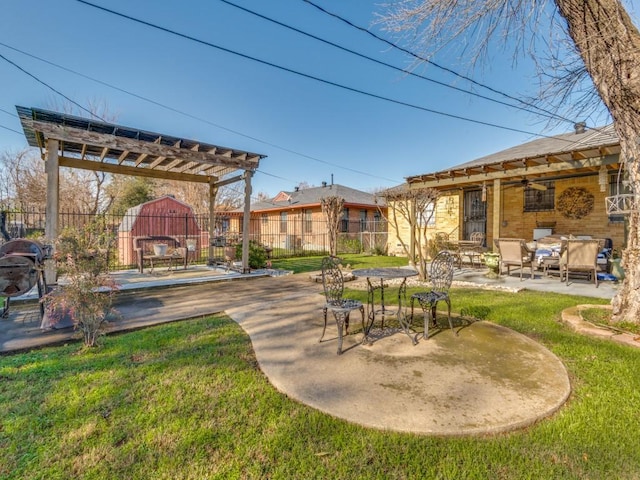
609 44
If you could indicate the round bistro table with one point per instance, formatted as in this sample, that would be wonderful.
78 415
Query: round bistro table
375 282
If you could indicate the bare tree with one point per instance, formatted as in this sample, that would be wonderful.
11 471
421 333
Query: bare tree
415 208
332 208
23 180
24 184
263 197
600 33
83 190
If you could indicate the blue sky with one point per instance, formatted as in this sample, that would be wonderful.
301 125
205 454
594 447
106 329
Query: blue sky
309 130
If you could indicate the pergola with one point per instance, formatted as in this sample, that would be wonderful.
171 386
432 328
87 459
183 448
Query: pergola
75 142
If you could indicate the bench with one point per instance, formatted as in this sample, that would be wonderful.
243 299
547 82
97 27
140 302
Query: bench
144 248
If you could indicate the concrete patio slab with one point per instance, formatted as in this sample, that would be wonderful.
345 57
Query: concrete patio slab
488 379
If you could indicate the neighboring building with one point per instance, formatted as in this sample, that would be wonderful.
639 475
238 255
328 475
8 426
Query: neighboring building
554 185
294 220
161 216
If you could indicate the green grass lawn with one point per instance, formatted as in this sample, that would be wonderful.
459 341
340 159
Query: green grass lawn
311 264
187 400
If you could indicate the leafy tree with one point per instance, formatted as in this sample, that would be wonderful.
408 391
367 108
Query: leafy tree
131 192
589 46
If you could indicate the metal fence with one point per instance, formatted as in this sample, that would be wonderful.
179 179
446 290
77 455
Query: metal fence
282 239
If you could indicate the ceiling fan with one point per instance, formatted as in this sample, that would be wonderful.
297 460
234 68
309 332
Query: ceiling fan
536 186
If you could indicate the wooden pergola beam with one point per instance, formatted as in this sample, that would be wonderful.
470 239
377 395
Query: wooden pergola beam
133 171
515 172
69 134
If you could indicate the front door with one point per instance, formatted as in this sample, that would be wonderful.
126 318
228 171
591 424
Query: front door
475 214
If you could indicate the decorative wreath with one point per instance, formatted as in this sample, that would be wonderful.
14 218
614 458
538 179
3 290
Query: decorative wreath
575 202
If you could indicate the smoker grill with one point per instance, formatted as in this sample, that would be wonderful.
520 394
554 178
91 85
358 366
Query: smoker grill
21 267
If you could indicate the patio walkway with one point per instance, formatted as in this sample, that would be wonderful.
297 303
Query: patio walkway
488 379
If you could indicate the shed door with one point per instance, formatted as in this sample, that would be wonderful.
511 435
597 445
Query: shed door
475 214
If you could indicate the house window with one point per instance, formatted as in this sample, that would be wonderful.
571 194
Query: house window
617 188
283 222
344 223
265 218
363 220
536 200
427 217
307 225
377 222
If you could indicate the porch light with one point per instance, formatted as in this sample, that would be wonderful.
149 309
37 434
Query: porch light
602 178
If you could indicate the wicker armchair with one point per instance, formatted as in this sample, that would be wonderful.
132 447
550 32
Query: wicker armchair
581 256
514 252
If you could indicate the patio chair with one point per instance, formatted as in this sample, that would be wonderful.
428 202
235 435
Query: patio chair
333 284
581 256
514 252
472 250
441 275
444 244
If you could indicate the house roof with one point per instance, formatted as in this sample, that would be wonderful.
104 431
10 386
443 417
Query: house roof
101 146
308 197
566 153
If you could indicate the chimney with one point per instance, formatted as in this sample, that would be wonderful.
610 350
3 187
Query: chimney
580 127
297 188
324 184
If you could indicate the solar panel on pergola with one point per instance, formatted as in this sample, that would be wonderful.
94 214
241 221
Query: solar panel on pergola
100 146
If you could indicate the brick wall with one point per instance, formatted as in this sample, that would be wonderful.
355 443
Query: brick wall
517 223
521 224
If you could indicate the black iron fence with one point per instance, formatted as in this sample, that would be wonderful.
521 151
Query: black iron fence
281 239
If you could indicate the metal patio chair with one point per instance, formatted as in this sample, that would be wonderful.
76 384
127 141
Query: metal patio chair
473 250
333 284
441 276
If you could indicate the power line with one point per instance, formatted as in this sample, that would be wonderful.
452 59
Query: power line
540 111
50 87
200 119
11 130
305 75
9 113
548 113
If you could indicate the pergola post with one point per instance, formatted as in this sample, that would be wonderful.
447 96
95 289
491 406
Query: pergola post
412 238
213 193
497 208
246 221
52 170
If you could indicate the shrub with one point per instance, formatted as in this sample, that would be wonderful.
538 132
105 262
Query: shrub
87 293
257 254
349 245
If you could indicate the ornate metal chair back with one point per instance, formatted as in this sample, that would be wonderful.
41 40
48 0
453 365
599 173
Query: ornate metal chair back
332 279
442 271
477 238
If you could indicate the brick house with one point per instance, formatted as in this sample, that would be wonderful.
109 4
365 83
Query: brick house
554 185
294 220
